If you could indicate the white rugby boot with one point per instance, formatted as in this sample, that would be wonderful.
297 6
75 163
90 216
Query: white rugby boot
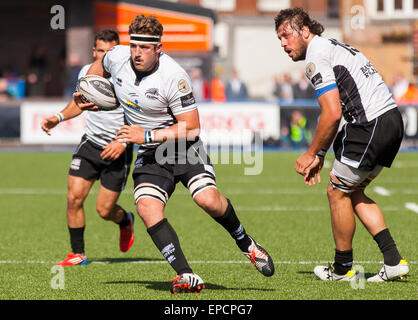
328 274
388 273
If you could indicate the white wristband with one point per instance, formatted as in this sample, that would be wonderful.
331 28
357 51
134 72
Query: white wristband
152 136
60 116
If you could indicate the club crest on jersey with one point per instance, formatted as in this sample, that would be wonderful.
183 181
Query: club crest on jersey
310 69
183 86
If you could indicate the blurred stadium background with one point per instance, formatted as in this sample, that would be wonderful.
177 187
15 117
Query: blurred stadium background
45 43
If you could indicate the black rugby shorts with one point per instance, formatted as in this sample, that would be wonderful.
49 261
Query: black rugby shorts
377 142
180 166
88 164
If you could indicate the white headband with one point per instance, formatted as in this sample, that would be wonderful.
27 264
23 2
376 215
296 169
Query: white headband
144 38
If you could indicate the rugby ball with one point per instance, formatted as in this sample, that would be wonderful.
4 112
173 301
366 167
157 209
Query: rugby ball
99 91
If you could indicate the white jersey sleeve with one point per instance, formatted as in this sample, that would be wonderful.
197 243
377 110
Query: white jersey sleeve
180 95
83 71
115 57
318 68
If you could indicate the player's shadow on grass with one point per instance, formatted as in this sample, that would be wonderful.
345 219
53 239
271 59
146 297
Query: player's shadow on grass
164 285
124 260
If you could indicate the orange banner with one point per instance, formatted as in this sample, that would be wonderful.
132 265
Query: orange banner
182 31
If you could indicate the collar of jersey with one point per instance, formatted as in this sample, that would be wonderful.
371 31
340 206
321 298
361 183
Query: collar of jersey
140 75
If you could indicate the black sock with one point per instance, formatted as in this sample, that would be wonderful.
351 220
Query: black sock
125 220
232 224
387 246
77 239
343 261
166 240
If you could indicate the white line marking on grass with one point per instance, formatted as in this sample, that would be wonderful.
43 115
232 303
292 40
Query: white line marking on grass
250 191
412 206
405 164
33 191
382 191
102 262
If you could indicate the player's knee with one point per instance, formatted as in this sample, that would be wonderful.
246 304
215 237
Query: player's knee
104 211
144 208
150 210
74 200
209 200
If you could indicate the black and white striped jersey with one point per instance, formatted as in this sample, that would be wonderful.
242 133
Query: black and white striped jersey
330 64
102 126
151 99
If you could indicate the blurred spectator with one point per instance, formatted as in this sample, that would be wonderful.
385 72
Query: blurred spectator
286 92
4 94
299 134
284 137
403 91
283 89
201 90
217 89
303 89
37 75
410 96
400 86
276 87
236 89
74 67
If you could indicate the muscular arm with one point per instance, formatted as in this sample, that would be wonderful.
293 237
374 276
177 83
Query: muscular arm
326 130
329 121
188 125
75 107
96 68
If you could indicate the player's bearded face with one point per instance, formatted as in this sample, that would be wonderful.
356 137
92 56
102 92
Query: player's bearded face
292 42
145 56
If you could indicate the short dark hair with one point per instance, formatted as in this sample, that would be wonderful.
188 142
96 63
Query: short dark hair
106 36
297 18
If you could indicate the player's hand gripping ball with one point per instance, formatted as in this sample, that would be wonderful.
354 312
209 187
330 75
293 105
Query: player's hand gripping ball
99 91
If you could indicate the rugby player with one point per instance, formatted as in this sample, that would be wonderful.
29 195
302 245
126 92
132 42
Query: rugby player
98 156
351 93
157 98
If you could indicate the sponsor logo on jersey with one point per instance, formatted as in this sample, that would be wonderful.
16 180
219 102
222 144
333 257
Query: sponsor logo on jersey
134 104
317 79
368 70
133 101
187 100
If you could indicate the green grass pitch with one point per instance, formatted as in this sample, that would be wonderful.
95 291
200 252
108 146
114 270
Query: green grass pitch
288 218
